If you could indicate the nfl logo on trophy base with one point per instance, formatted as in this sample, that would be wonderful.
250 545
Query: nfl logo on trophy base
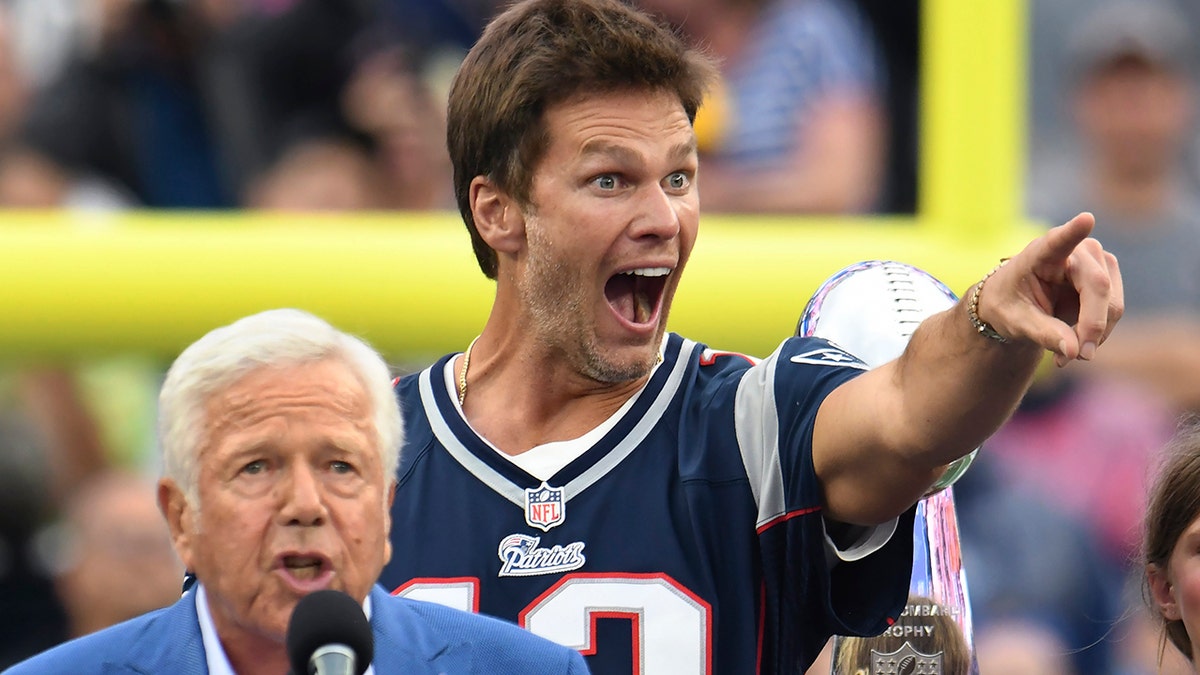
906 661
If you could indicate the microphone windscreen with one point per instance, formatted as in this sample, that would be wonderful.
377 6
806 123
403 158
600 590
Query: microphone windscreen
328 617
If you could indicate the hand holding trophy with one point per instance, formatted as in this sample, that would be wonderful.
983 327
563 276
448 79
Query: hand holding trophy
871 309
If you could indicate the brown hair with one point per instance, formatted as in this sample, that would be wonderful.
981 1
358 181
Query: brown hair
1173 505
541 52
930 628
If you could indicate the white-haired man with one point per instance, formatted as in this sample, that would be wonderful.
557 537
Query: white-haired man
280 437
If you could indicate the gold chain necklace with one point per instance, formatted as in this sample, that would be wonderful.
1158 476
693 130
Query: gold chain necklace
462 375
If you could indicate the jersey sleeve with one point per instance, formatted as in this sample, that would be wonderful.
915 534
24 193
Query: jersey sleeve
806 599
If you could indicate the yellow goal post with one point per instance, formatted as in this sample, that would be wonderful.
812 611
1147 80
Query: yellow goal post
77 285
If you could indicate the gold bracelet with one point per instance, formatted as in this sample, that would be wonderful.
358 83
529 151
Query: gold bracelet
980 325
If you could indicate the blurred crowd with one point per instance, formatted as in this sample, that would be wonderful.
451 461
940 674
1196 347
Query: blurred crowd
337 105
282 104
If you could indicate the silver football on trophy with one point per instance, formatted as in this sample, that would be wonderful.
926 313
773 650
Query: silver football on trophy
871 309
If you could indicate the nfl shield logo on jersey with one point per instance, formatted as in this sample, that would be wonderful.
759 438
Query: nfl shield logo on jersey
906 661
544 507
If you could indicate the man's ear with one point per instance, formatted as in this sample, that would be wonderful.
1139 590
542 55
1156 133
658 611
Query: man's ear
1163 592
179 516
498 217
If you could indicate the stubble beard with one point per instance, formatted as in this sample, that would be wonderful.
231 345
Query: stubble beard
555 298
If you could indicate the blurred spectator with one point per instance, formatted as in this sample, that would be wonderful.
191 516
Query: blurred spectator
798 124
326 75
1050 55
896 25
201 103
439 33
1166 564
56 462
14 88
1022 648
387 101
1063 481
327 173
133 110
1085 446
30 180
112 554
383 148
1132 95
31 618
275 77
435 25
1142 647
1030 564
183 103
73 446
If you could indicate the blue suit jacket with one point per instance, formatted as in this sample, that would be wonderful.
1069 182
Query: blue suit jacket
410 637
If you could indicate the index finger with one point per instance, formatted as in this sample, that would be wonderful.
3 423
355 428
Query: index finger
1061 241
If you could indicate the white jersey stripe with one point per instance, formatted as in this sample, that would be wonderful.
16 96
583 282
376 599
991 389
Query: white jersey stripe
486 474
647 422
757 426
515 493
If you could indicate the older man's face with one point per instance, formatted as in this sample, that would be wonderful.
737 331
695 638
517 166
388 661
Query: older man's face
292 496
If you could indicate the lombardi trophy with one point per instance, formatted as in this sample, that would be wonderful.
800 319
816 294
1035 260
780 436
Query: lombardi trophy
871 310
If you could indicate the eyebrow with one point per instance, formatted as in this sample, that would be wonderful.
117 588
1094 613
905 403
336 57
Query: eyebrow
677 152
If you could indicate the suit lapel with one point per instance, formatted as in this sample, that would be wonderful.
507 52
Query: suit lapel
405 643
171 642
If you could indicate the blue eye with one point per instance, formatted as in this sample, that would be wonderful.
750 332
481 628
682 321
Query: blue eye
605 182
256 467
341 467
678 180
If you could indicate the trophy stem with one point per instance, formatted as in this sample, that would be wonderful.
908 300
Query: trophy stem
934 635
937 563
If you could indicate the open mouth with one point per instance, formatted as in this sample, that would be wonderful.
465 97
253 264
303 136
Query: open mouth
635 295
304 567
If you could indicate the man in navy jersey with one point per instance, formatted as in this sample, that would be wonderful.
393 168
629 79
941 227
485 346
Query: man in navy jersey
660 506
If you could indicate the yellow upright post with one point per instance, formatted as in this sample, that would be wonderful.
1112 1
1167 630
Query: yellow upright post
972 116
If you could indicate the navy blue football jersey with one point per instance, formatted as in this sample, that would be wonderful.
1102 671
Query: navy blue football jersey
688 539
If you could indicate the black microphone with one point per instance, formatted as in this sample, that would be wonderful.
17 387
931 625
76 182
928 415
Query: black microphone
328 634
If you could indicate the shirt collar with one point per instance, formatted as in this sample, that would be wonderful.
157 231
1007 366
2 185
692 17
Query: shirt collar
214 653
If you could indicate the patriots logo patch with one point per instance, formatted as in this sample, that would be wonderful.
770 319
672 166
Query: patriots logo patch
523 556
829 356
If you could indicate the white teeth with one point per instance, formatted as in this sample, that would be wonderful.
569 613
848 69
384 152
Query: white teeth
649 272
